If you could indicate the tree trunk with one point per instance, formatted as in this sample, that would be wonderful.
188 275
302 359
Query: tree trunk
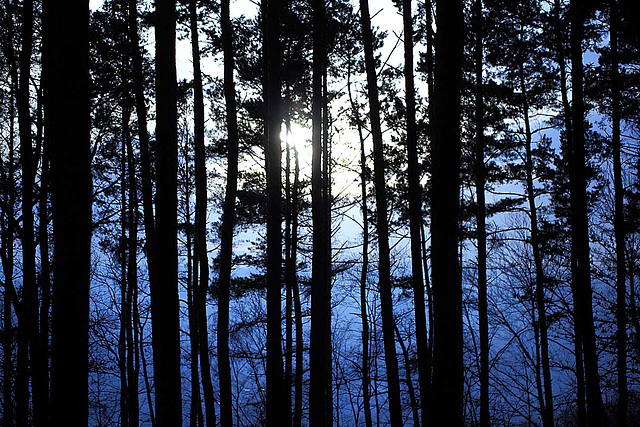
22 356
543 351
273 115
290 271
7 221
320 394
143 133
365 363
201 257
382 223
621 308
297 306
228 220
124 307
415 209
447 291
483 318
165 308
580 267
66 37
132 286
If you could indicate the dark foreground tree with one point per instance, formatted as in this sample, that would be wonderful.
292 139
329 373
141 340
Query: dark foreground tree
448 377
320 395
66 71
382 223
228 219
273 157
165 310
580 263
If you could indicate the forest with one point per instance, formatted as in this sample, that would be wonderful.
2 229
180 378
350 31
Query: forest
320 213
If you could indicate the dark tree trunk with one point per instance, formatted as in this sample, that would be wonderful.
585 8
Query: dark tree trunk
290 271
320 395
580 268
22 356
125 309
297 306
165 309
483 318
143 133
415 210
382 223
45 268
621 305
29 284
201 265
7 254
132 288
228 220
273 115
67 95
365 363
447 291
541 324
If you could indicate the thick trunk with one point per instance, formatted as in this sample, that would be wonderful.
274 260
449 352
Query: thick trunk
165 309
273 115
447 292
320 395
580 267
67 95
228 219
382 223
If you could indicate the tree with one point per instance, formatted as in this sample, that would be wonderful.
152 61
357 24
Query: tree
66 84
164 293
228 220
415 212
580 265
382 222
320 393
273 123
447 293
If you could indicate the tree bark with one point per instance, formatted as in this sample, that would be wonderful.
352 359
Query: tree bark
382 223
415 210
619 228
165 309
580 268
543 351
228 220
447 291
297 306
132 286
483 318
320 394
365 363
67 89
273 116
